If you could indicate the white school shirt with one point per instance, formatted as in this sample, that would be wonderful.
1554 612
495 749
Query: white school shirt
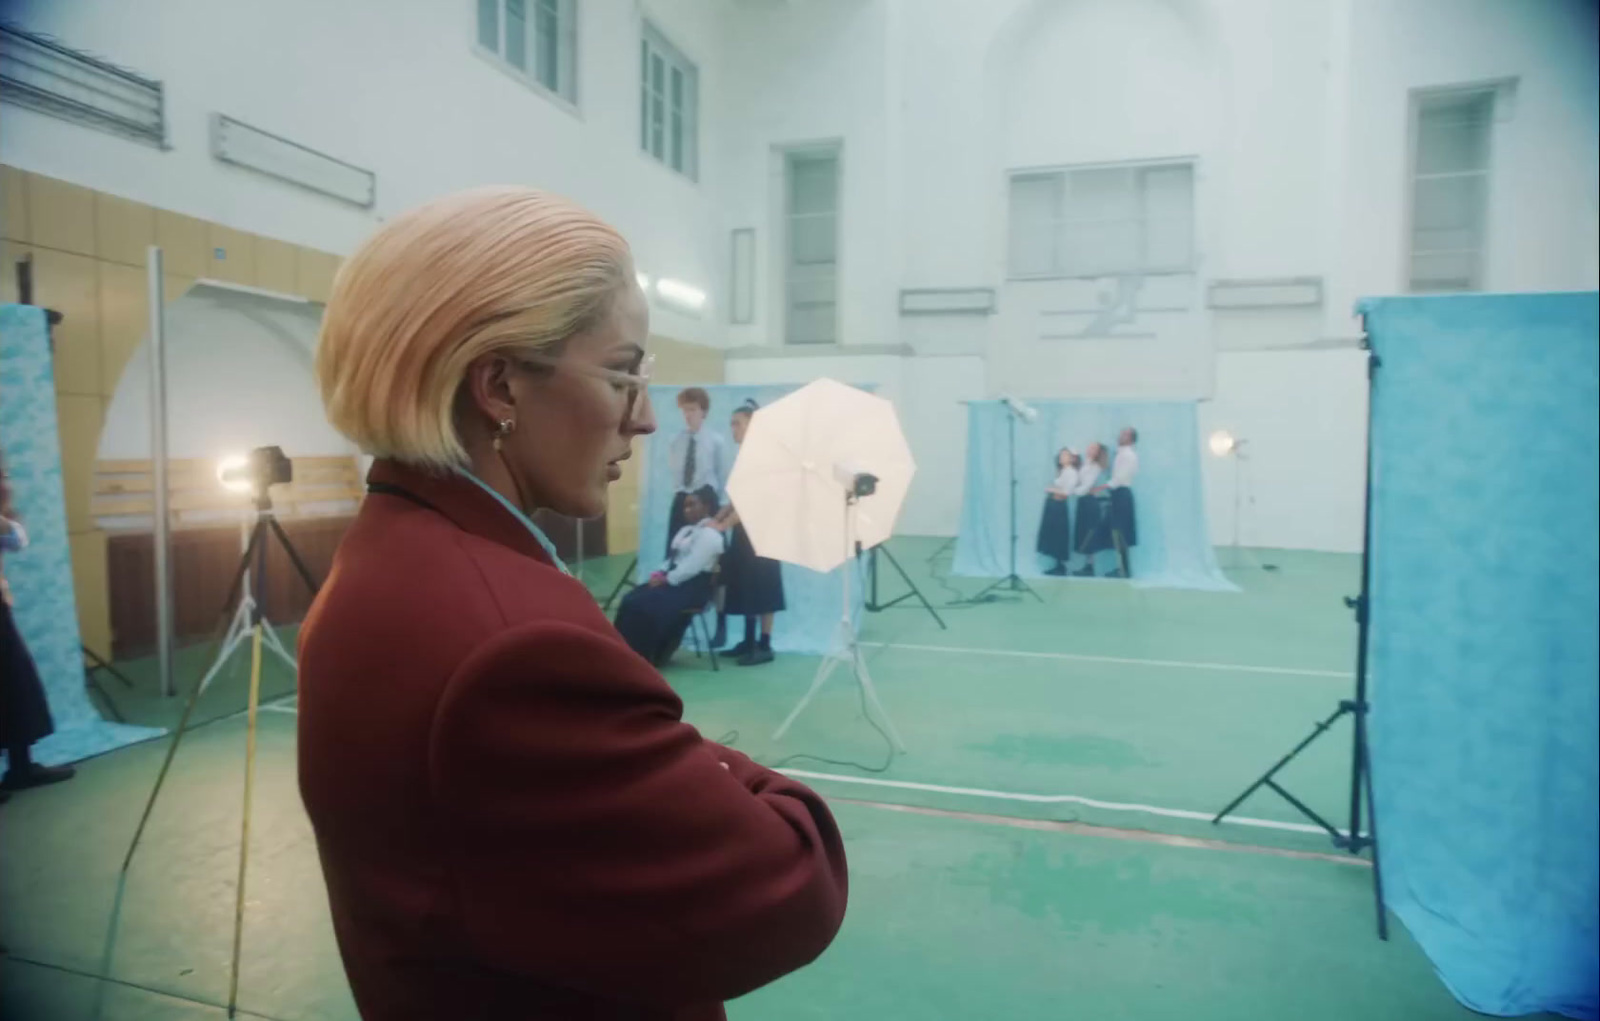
713 460
1088 478
694 549
1124 467
1066 480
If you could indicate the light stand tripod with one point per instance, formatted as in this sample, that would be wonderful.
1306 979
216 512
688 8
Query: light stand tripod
1353 840
872 604
846 650
256 547
1011 583
249 612
1237 552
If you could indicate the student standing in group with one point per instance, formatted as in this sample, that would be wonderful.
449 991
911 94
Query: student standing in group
24 711
1055 524
753 584
696 458
1089 536
1120 518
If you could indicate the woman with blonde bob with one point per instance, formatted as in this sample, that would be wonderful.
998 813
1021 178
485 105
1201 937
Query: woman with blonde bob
513 820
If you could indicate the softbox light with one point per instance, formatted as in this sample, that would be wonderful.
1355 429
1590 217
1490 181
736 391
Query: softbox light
784 482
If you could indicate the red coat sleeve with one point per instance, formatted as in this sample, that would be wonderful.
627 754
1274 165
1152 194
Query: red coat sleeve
599 843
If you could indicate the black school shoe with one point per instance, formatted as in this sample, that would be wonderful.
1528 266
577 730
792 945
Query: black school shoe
742 649
757 656
35 775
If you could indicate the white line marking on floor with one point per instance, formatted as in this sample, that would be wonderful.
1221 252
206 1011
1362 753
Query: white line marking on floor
1055 799
1343 675
273 708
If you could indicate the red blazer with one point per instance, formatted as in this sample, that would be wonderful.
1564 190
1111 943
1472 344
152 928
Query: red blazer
513 819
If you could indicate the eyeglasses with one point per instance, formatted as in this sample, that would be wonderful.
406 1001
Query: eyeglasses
634 382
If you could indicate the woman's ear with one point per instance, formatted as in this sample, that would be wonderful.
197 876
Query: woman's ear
489 388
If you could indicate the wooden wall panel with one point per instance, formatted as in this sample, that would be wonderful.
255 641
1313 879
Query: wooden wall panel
60 215
124 229
204 562
14 204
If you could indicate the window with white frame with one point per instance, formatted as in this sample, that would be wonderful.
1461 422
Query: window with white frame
669 104
811 242
1102 221
1449 189
535 39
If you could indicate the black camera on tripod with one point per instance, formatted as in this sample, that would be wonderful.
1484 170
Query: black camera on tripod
261 468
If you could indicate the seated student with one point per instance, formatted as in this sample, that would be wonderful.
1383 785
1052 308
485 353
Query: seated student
651 618
1055 523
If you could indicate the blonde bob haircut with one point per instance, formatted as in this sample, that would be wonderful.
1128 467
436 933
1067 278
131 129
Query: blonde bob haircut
466 275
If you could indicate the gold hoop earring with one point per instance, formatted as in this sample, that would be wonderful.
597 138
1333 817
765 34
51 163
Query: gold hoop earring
502 429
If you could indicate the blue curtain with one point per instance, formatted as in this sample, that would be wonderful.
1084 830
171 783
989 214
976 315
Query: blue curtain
813 599
41 576
1174 549
1484 657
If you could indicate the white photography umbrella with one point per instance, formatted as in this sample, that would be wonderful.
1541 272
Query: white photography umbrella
788 481
820 470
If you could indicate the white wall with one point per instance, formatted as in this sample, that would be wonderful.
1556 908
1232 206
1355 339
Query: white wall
393 86
1303 417
238 377
927 393
1543 159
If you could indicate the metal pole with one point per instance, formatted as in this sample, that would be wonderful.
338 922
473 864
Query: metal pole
158 465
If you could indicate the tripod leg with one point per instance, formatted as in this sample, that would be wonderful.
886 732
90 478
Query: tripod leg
194 697
622 583
94 686
865 680
1266 778
276 646
294 555
244 835
909 584
1372 838
823 670
96 663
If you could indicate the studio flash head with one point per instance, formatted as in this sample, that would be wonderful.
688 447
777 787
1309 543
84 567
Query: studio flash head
856 482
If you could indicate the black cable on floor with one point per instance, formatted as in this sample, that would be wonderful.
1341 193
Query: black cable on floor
887 761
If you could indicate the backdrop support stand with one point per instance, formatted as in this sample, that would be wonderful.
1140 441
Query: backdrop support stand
1012 583
872 604
1354 839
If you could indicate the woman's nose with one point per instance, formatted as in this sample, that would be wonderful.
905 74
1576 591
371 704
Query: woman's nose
644 417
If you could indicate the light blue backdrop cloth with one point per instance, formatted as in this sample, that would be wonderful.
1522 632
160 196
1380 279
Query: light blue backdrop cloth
1174 549
41 576
1484 657
813 599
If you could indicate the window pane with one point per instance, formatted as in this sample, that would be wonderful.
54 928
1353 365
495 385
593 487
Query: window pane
549 39
677 139
812 239
813 184
1034 223
811 323
657 121
517 34
1169 218
1101 249
657 74
1444 271
644 96
1453 134
489 24
1103 193
1448 204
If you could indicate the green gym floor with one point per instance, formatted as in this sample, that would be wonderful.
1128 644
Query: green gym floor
1042 851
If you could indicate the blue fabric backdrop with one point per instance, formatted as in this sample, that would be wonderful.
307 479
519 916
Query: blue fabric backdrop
1484 654
812 616
41 576
1174 549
